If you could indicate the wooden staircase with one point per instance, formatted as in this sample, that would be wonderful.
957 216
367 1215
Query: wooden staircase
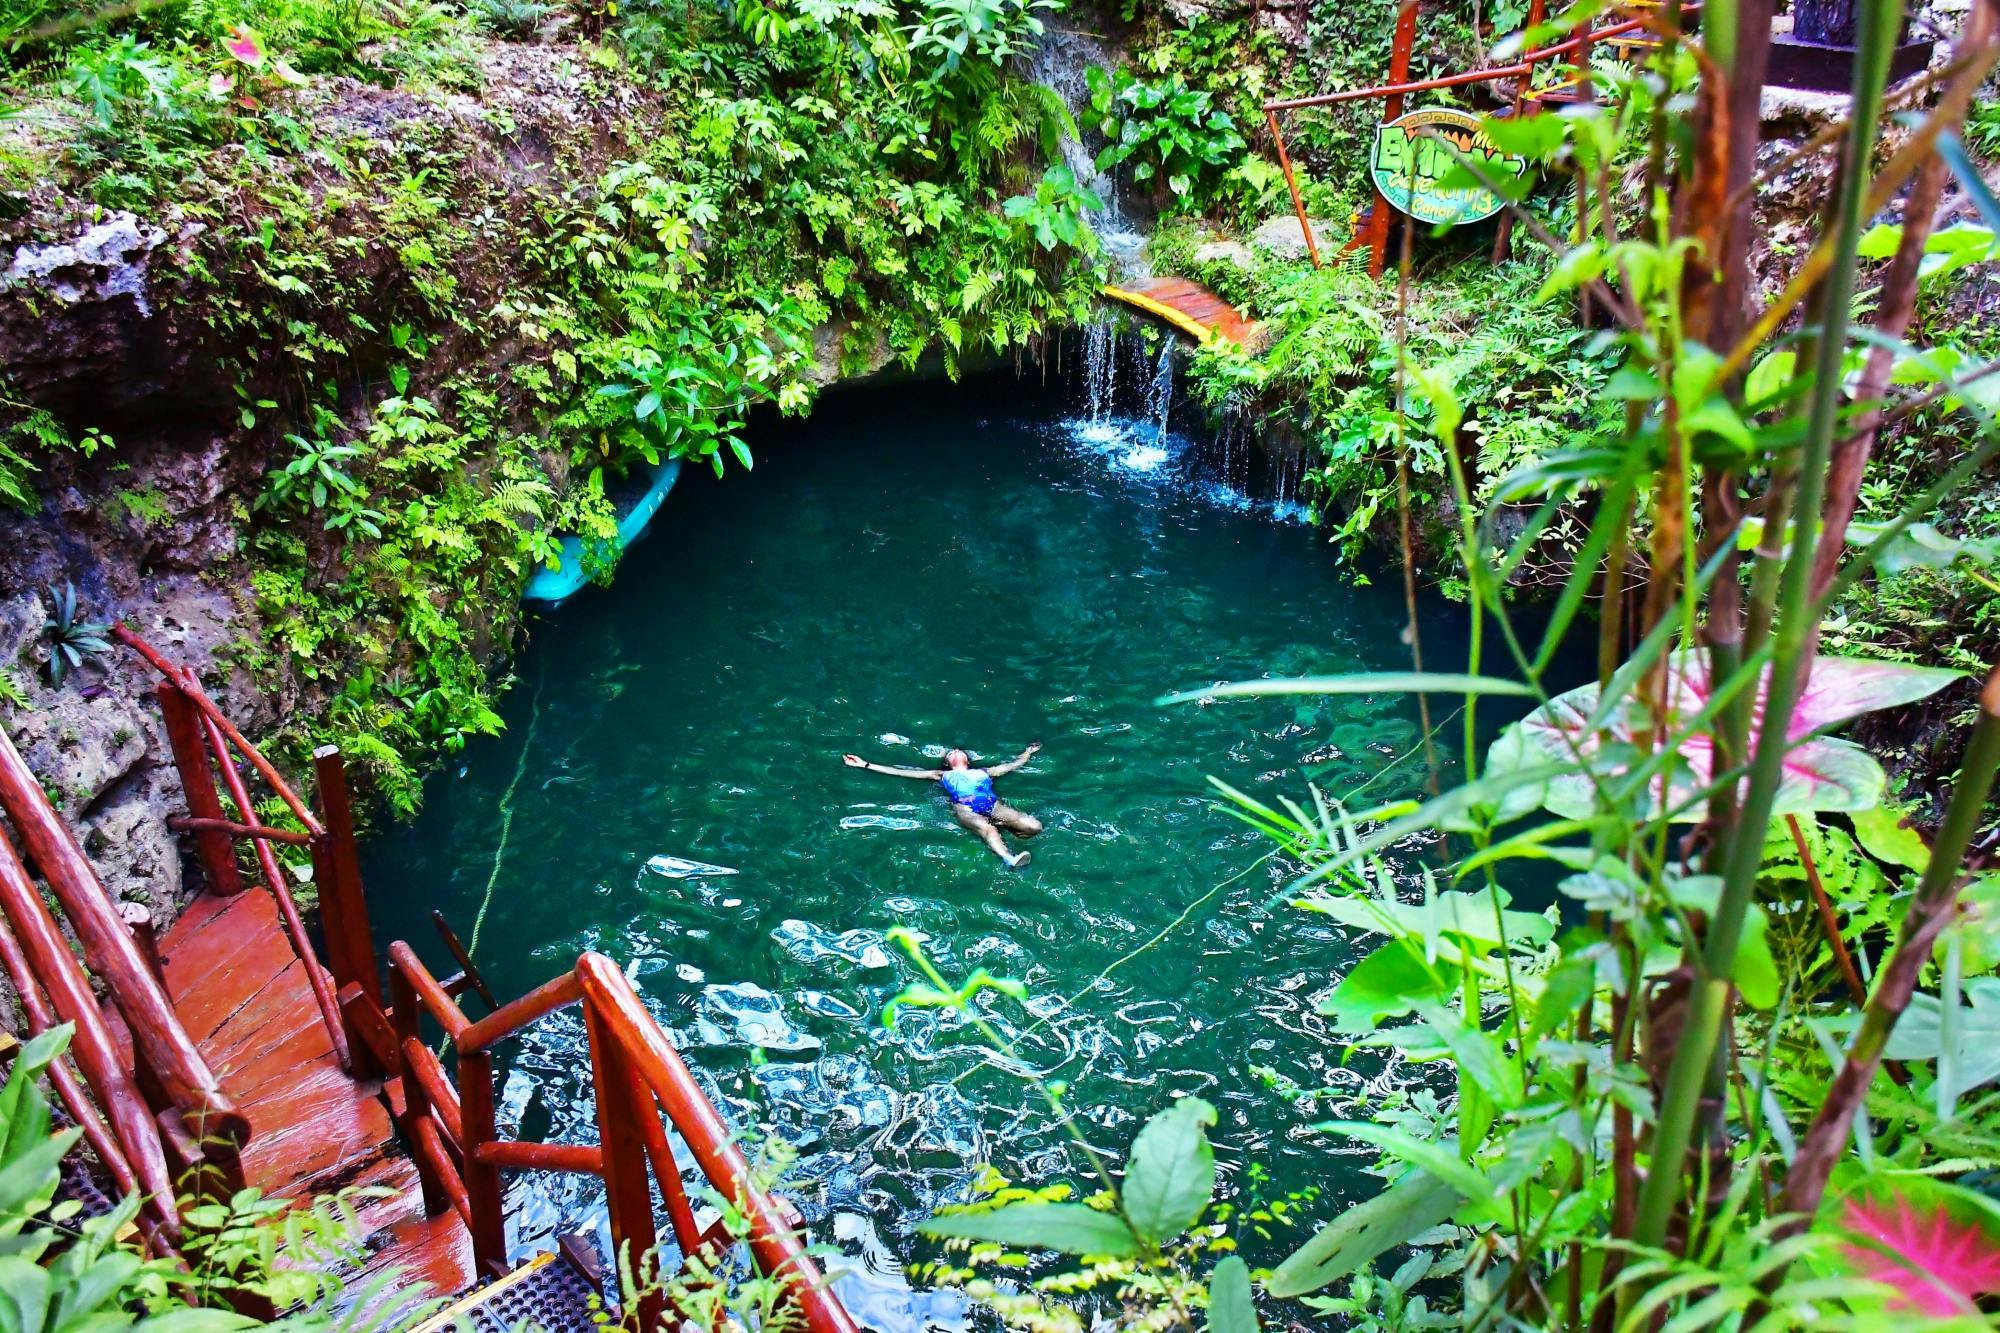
314 1129
229 1054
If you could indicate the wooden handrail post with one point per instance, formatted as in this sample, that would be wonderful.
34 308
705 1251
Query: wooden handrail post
96 1053
288 912
482 1179
417 1116
633 1239
191 757
158 1038
350 943
35 1010
614 1014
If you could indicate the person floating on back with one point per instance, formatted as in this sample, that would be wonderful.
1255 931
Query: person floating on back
973 800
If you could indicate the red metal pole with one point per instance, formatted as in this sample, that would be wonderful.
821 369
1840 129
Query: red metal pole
1399 73
350 943
191 757
1292 184
50 962
1471 76
1503 235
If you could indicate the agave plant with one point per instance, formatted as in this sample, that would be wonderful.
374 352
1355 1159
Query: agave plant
72 641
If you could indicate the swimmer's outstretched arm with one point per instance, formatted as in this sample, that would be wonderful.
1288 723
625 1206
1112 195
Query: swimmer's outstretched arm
928 774
1001 770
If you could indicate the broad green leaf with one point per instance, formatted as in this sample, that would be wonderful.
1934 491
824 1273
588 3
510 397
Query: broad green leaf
1480 1056
1229 1302
1068 1228
1384 984
1448 916
1439 1159
1408 1208
1770 375
1919 1033
1170 1175
1884 836
1534 137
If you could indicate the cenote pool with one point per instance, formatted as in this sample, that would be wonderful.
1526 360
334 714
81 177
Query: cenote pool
914 568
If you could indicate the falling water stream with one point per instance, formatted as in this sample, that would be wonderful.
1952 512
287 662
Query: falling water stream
911 569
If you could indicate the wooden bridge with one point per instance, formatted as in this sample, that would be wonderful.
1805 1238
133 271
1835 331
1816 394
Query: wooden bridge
1189 307
228 1054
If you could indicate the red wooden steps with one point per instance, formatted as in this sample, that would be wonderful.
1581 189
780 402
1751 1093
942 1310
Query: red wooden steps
245 999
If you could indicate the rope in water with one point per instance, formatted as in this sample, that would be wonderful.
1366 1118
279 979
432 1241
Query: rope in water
507 812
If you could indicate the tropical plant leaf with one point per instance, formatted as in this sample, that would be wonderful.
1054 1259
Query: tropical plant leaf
1384 985
1937 1245
1068 1228
1919 1034
1367 682
1819 773
1170 1175
1413 1205
1229 1301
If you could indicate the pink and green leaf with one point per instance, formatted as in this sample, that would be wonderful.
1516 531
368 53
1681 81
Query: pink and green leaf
245 46
1819 773
1934 1245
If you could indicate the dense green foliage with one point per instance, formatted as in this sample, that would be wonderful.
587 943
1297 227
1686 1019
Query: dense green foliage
867 174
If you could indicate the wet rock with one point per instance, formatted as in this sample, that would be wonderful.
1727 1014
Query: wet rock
1280 237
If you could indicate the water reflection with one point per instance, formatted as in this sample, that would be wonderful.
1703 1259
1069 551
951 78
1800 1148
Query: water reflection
907 572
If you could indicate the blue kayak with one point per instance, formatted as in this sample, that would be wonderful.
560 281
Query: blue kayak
558 585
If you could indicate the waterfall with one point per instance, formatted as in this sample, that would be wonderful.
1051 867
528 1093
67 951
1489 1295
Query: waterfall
1058 64
1160 393
1100 370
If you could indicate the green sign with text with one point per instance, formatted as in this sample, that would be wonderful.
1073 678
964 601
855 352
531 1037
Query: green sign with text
1414 159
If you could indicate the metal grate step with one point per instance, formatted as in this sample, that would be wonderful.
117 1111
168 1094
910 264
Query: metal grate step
551 1292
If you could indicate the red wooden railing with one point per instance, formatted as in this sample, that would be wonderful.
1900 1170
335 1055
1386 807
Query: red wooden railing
642 1087
159 1115
202 740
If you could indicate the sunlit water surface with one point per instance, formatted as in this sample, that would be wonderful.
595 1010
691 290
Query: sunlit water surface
912 569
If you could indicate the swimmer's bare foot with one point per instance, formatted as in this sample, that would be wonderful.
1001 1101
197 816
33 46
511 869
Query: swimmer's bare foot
1017 860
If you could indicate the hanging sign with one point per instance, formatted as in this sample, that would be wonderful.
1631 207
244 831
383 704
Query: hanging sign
1410 166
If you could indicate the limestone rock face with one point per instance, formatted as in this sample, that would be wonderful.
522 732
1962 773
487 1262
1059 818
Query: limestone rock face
1280 236
97 747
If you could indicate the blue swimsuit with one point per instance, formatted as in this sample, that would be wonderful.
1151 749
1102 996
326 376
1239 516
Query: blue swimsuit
971 788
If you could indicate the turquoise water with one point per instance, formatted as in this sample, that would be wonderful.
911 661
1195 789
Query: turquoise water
916 568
